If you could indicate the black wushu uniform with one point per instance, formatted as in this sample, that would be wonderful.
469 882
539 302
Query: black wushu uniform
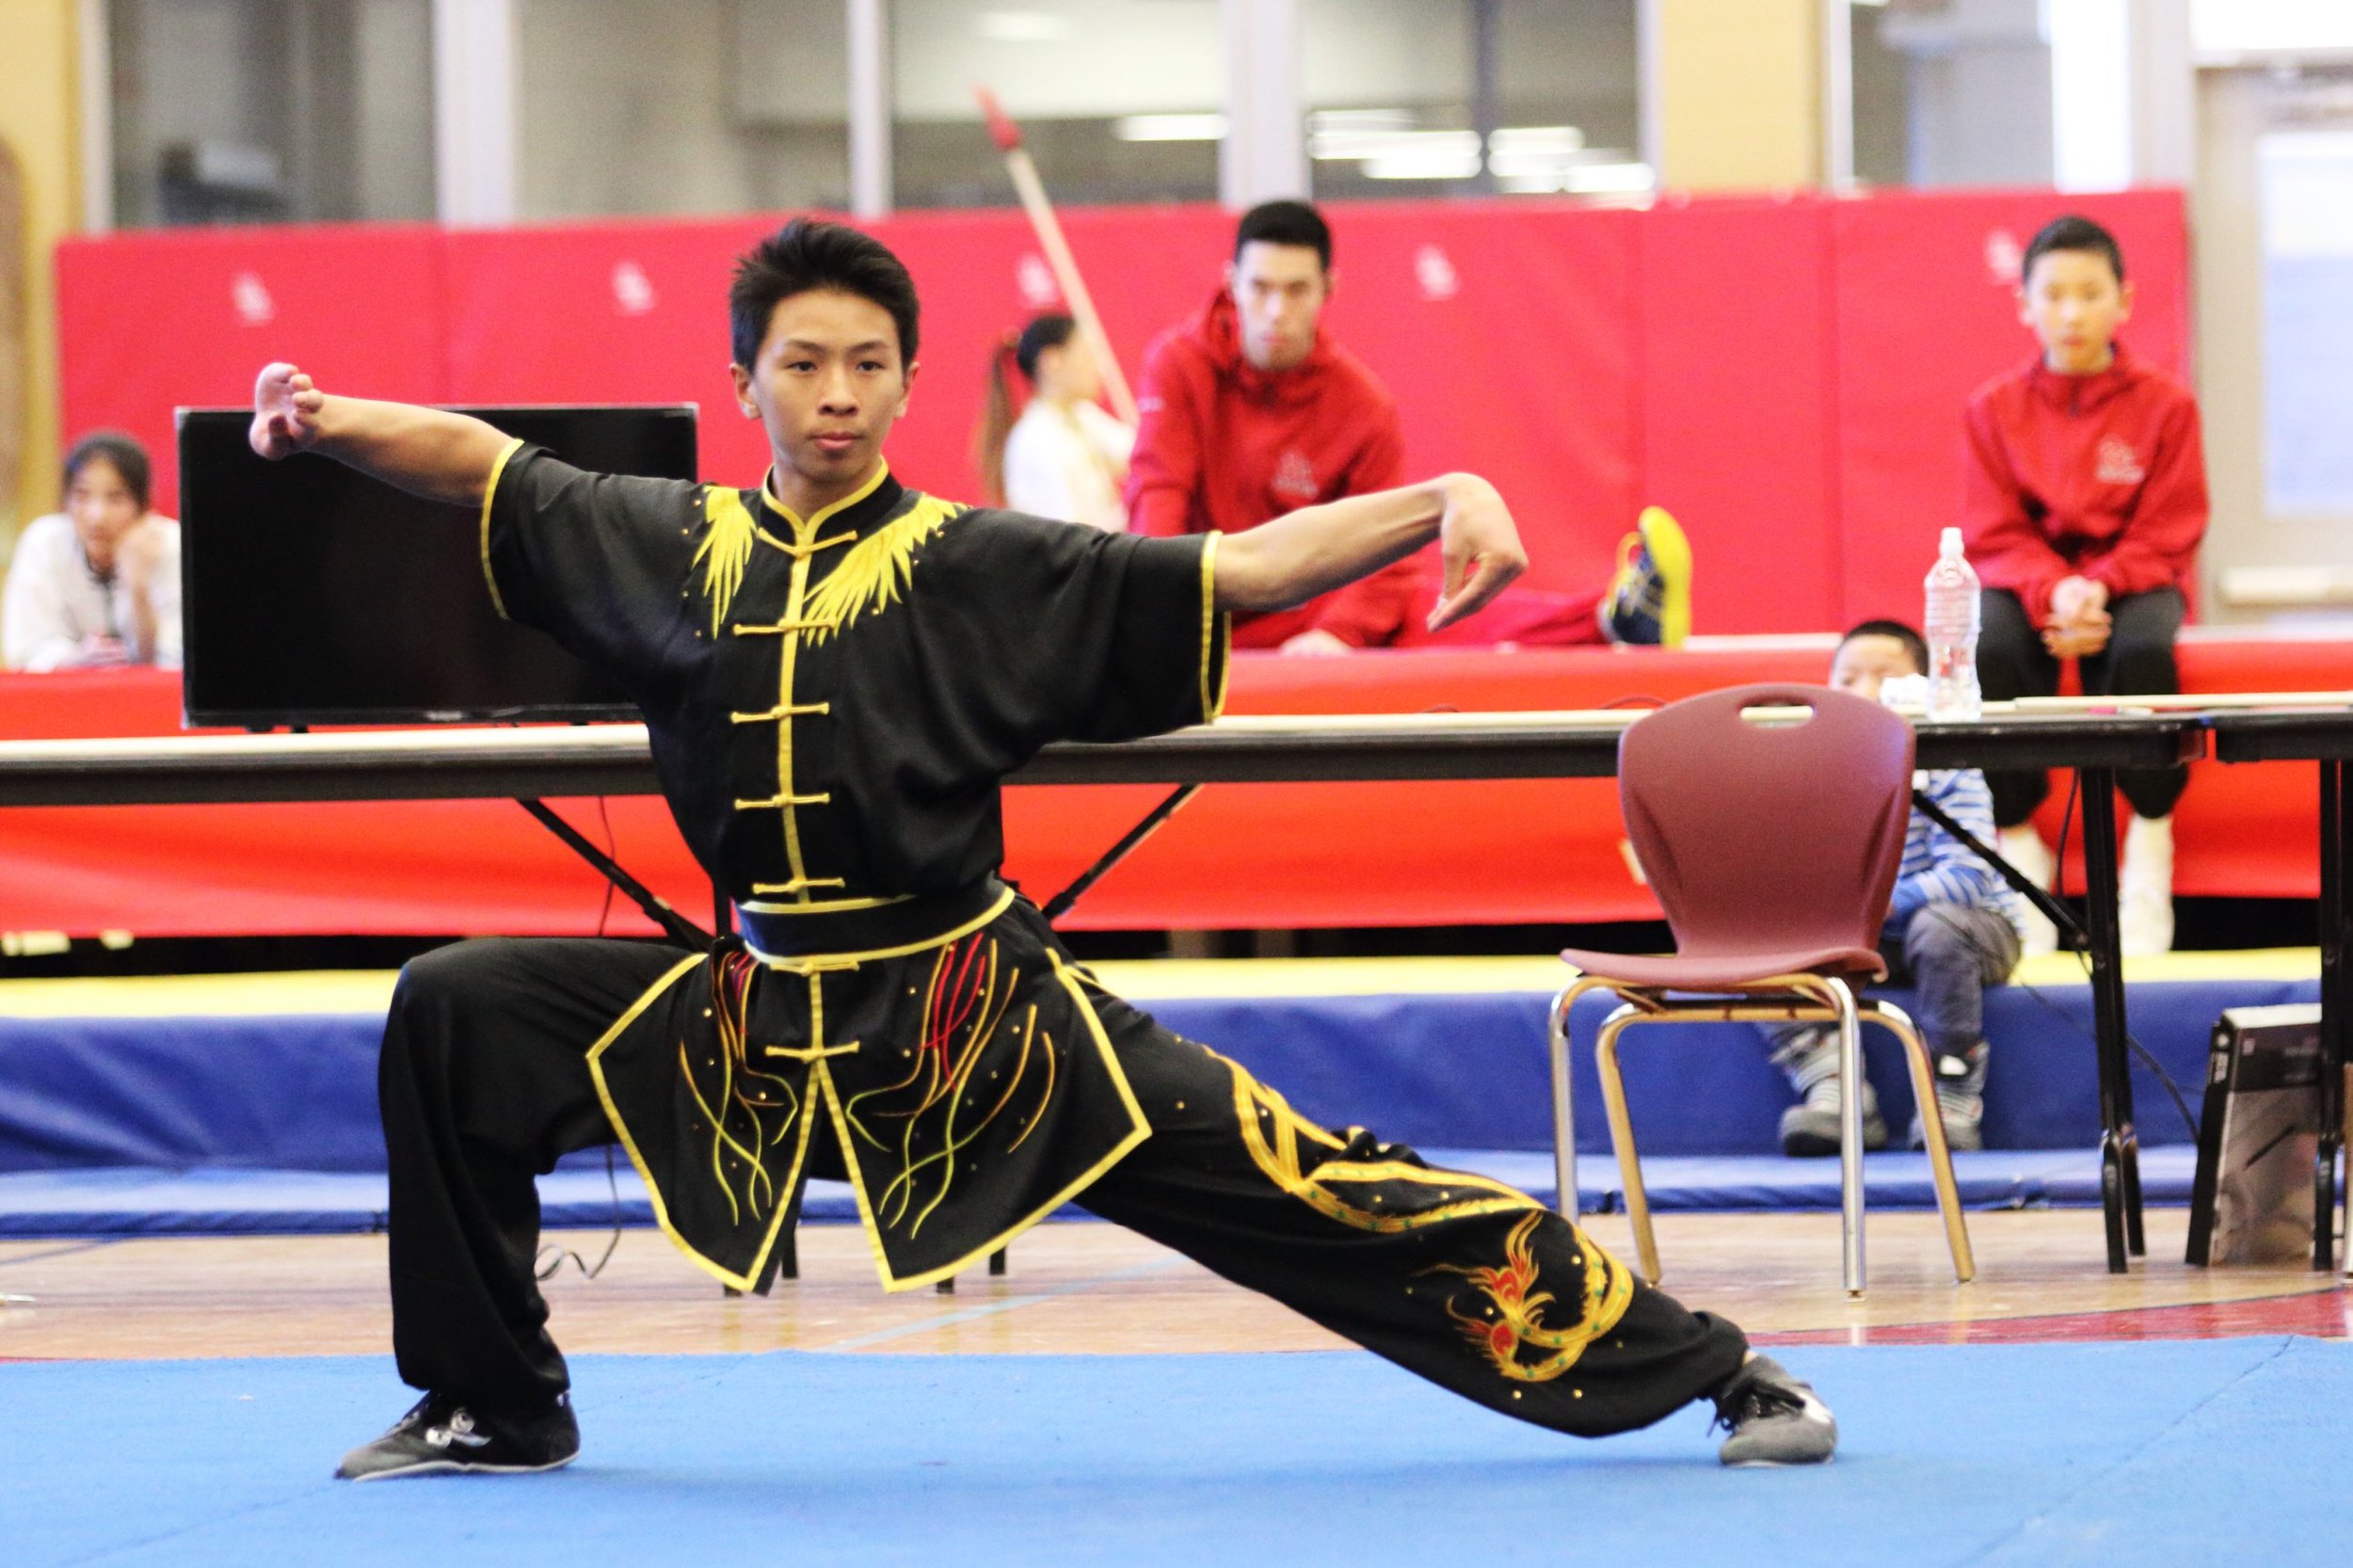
833 701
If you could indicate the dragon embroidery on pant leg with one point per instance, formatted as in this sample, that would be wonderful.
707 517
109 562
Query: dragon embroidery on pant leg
1512 1325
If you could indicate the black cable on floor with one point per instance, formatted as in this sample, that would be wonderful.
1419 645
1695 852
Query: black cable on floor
551 1257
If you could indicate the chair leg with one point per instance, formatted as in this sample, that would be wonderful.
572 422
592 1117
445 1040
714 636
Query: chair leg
1932 1130
1564 1108
1851 1264
1622 1137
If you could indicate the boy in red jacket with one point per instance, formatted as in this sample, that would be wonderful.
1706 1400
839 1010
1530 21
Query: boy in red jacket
1250 411
2084 498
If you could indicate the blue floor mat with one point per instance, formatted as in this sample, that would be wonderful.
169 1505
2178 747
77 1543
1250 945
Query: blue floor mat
2153 1454
135 1202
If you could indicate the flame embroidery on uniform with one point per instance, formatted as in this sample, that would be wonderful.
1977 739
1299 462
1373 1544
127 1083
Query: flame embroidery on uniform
1514 1321
726 547
742 1100
938 1101
876 568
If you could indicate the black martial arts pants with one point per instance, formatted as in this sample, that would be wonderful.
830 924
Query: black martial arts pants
485 1084
2138 661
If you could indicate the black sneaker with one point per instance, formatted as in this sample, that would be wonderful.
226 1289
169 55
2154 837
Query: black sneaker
440 1433
1773 1419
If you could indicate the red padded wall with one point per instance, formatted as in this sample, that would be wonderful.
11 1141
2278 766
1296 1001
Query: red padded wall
1508 337
153 321
601 313
1787 376
1737 405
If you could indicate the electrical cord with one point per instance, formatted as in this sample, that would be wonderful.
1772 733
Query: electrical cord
611 853
551 1256
2058 889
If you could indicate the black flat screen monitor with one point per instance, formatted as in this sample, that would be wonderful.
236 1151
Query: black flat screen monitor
310 594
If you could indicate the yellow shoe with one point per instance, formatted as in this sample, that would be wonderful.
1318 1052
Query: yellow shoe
1650 598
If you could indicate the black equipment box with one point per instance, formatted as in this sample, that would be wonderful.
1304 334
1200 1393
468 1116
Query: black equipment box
2258 1137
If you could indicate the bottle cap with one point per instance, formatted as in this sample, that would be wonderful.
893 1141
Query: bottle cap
1950 543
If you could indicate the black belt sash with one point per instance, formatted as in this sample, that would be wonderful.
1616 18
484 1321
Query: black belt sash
823 933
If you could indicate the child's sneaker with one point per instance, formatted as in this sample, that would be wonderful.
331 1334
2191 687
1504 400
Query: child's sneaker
1960 1099
1774 1418
1649 602
1810 1127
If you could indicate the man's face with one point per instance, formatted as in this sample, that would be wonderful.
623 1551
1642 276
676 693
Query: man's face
1862 664
829 386
1279 292
103 509
2074 303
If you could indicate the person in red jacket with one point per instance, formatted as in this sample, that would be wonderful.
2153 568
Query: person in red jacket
1250 411
2085 499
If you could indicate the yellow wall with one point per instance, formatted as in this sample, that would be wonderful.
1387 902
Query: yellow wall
39 120
1740 85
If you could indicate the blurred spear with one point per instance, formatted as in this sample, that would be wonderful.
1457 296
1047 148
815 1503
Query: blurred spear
1065 268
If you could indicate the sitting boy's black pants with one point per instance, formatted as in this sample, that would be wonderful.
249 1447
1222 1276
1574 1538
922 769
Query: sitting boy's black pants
485 1083
2012 663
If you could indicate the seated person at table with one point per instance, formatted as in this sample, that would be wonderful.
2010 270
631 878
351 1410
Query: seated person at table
1064 458
99 582
2085 500
1952 930
1250 411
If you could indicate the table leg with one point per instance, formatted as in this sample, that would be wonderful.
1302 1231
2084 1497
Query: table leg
2335 999
2119 1145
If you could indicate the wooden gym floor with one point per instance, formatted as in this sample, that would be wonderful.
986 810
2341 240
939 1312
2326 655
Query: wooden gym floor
1090 1287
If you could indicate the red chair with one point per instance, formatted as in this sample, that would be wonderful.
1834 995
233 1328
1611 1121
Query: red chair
1770 821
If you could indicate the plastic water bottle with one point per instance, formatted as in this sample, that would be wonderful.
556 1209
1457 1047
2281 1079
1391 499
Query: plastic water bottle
1950 626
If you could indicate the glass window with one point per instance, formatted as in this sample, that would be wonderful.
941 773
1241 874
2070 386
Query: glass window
265 111
1118 100
1443 97
1951 92
2305 178
681 107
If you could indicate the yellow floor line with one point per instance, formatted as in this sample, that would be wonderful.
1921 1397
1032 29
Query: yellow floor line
368 991
229 996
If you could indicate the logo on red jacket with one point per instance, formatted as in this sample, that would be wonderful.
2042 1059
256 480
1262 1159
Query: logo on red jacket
1294 477
2118 465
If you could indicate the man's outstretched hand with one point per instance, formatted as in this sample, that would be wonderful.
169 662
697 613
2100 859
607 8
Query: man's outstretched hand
285 411
1480 546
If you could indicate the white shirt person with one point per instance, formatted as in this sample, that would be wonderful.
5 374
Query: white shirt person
1064 458
99 582
1069 461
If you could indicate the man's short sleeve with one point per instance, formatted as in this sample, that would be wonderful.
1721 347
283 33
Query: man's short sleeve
1078 635
593 559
